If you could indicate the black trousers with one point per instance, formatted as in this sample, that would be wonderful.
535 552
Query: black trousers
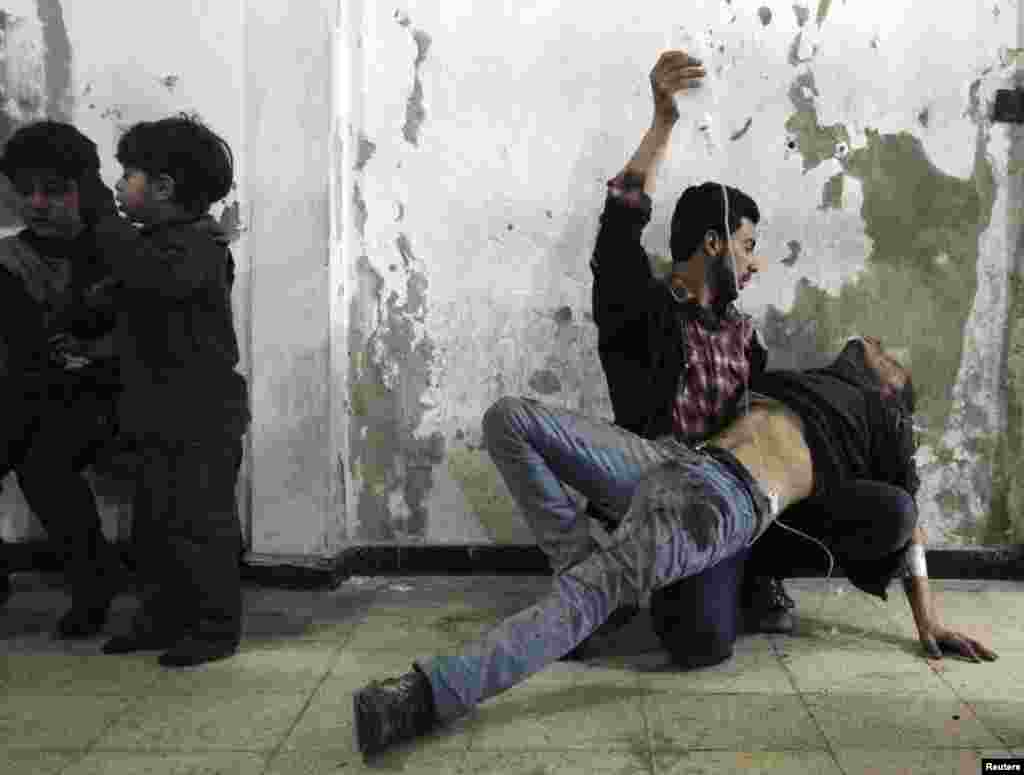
187 540
48 440
698 618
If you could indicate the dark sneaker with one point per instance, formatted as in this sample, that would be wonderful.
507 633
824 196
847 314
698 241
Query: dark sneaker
140 641
619 618
190 651
83 621
392 711
767 606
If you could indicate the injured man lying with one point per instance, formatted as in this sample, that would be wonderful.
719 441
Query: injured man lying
798 437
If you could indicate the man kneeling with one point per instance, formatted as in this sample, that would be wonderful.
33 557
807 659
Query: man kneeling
681 511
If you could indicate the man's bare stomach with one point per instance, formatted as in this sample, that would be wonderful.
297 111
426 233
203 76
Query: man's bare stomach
769 441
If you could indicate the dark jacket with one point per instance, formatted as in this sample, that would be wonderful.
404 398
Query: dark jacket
640 325
175 330
46 289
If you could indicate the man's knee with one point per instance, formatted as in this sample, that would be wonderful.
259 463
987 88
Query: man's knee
697 618
691 639
500 419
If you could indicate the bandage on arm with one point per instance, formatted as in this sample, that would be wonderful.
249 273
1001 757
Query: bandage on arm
915 565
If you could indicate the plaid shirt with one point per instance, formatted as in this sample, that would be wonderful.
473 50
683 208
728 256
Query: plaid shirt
718 369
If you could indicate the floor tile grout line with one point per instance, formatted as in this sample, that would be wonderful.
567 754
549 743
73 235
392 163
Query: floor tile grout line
648 737
806 706
974 710
132 701
275 752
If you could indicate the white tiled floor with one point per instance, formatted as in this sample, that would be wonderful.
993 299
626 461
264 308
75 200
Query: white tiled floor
849 693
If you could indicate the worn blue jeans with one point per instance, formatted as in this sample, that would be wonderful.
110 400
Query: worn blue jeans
679 511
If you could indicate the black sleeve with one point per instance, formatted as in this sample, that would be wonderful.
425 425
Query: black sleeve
626 300
21 327
622 272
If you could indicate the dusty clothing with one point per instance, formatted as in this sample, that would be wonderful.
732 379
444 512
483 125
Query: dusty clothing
55 420
678 511
186 408
187 540
175 335
47 288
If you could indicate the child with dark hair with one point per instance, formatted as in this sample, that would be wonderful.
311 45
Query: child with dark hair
58 379
184 404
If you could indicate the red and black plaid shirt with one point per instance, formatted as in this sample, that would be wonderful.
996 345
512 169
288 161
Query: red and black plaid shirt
717 370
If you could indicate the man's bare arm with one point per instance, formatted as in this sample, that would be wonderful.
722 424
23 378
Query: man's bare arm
675 71
934 637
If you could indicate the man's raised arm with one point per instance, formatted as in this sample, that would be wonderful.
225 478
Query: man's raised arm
620 264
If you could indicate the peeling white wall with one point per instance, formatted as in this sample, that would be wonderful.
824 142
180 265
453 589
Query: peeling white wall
487 131
418 189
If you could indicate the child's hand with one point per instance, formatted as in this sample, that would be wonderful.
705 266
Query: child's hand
70 352
95 199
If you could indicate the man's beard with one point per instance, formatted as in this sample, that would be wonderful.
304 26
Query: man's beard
722 282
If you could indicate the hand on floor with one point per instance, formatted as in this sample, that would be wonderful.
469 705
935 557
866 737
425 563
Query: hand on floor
941 640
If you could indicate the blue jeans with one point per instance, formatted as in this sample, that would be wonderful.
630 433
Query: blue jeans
679 512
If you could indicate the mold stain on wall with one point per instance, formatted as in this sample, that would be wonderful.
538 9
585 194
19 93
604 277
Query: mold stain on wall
390 373
415 113
924 225
485 492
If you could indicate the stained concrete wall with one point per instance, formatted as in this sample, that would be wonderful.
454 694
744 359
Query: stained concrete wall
418 193
486 132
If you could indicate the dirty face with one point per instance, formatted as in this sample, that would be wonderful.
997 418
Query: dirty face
890 371
48 203
134 195
868 353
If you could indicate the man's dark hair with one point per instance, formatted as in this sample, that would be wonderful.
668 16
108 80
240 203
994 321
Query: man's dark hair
198 159
700 209
49 145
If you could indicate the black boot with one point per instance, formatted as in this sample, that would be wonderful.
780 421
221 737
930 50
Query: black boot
392 711
767 606
192 650
145 635
83 620
139 641
90 605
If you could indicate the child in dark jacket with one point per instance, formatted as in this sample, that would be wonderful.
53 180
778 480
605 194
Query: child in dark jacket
58 379
184 404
